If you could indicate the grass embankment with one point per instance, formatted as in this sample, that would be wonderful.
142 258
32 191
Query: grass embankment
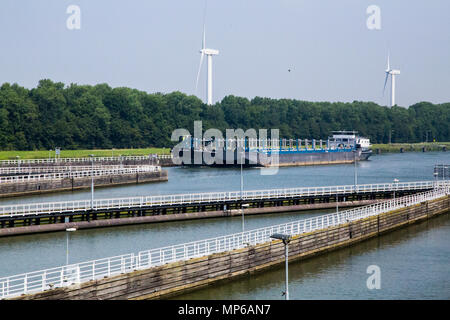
42 154
411 147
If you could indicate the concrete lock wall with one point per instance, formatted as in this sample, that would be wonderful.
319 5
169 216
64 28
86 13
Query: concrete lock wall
41 186
173 278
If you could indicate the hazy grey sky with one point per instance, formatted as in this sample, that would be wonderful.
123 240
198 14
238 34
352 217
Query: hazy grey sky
153 45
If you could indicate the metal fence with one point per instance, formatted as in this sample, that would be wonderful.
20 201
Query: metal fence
38 281
51 169
86 160
210 197
78 173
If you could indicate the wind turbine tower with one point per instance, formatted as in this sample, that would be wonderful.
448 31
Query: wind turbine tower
209 53
392 73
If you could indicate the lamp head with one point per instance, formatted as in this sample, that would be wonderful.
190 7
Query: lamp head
280 236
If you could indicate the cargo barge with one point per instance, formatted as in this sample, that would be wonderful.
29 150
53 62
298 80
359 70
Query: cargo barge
341 147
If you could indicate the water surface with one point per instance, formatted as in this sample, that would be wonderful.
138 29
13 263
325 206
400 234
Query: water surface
33 252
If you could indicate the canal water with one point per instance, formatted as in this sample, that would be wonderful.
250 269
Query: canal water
33 252
414 263
381 168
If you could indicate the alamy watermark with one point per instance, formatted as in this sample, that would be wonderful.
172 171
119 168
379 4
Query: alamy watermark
373 22
235 148
73 22
374 280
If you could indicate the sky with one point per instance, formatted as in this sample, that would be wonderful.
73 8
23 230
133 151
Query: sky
153 45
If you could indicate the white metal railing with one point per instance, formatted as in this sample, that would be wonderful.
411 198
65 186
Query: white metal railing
210 197
78 173
86 160
38 281
51 169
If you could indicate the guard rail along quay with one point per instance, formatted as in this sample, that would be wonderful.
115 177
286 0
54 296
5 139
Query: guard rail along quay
138 275
78 173
142 202
164 159
76 178
26 170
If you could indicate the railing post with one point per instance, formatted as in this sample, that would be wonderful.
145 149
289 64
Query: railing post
122 264
77 274
44 279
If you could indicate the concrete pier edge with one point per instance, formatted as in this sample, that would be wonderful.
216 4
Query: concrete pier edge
43 228
72 184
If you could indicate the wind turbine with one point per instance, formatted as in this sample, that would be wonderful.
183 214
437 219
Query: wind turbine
393 73
209 53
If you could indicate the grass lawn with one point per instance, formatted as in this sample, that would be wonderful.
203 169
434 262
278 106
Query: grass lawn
11 155
411 147
42 154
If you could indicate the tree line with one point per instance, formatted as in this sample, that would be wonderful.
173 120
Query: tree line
100 117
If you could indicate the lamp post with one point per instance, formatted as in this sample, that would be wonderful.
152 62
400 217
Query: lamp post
245 205
68 230
242 177
356 172
92 181
337 201
395 185
286 239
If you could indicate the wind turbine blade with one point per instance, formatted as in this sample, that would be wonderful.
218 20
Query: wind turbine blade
388 64
204 38
199 70
385 81
204 25
203 46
